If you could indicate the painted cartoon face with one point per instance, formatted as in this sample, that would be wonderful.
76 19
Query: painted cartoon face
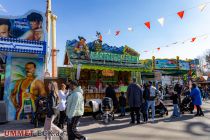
30 70
4 31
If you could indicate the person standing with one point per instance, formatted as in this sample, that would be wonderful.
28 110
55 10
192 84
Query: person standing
175 98
52 112
122 103
62 94
74 111
196 99
135 97
153 92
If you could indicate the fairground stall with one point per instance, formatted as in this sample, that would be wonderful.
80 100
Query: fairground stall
168 71
22 53
96 65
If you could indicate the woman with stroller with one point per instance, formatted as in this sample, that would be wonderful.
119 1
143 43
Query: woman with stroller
110 92
196 99
52 112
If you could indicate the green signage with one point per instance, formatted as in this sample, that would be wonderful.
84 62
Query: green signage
113 57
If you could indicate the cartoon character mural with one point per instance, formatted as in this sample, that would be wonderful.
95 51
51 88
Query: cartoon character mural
23 86
98 42
82 49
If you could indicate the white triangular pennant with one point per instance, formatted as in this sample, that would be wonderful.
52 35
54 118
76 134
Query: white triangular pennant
109 32
201 7
161 21
130 29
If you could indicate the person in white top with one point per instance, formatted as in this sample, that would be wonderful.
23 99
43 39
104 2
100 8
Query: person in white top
62 94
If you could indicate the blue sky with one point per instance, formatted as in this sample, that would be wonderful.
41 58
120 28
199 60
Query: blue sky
85 17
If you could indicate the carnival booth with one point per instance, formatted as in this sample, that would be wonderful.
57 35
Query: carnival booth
23 49
96 65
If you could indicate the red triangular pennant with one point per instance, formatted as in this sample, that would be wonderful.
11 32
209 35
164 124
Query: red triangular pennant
147 24
181 14
158 49
193 39
100 37
117 33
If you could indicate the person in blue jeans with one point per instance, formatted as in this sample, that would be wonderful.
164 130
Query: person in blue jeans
175 98
151 96
122 104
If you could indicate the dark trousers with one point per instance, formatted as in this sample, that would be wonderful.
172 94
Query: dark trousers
122 108
62 119
145 117
72 131
135 111
199 110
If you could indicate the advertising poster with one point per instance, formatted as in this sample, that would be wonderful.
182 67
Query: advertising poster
23 84
165 64
30 26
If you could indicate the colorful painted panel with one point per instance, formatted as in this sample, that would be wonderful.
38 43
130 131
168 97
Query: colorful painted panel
183 65
23 84
165 64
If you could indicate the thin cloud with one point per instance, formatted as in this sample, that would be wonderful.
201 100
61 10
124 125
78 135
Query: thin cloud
3 9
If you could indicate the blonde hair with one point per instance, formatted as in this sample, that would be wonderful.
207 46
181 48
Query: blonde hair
54 88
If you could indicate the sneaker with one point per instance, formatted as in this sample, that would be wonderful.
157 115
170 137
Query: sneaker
138 122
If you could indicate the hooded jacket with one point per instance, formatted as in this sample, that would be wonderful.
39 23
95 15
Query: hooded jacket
75 103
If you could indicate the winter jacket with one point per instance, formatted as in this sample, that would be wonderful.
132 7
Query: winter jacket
110 92
75 103
134 94
196 96
52 102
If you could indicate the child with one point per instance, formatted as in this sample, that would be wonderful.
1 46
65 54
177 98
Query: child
144 111
122 104
174 97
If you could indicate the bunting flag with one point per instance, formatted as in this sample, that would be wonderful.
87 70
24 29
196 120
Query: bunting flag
181 14
202 7
117 33
158 48
193 39
145 51
109 32
147 24
100 38
130 29
161 21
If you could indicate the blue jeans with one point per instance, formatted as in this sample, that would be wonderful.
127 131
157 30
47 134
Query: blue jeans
152 104
176 111
122 108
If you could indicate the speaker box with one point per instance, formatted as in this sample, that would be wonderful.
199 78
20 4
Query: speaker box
3 112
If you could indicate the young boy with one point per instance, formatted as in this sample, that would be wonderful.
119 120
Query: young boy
122 104
174 97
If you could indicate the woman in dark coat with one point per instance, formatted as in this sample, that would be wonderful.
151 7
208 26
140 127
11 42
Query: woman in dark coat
110 92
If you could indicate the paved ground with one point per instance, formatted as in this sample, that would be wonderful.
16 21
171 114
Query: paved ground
186 127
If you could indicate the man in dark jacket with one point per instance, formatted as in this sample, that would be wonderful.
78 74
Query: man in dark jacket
135 100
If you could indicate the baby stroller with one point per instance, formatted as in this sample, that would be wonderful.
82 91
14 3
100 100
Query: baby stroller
41 109
107 110
186 105
160 109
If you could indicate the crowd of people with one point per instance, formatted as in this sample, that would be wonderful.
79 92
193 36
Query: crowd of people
68 104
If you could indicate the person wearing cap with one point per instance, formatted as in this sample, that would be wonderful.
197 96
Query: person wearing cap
135 97
74 110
